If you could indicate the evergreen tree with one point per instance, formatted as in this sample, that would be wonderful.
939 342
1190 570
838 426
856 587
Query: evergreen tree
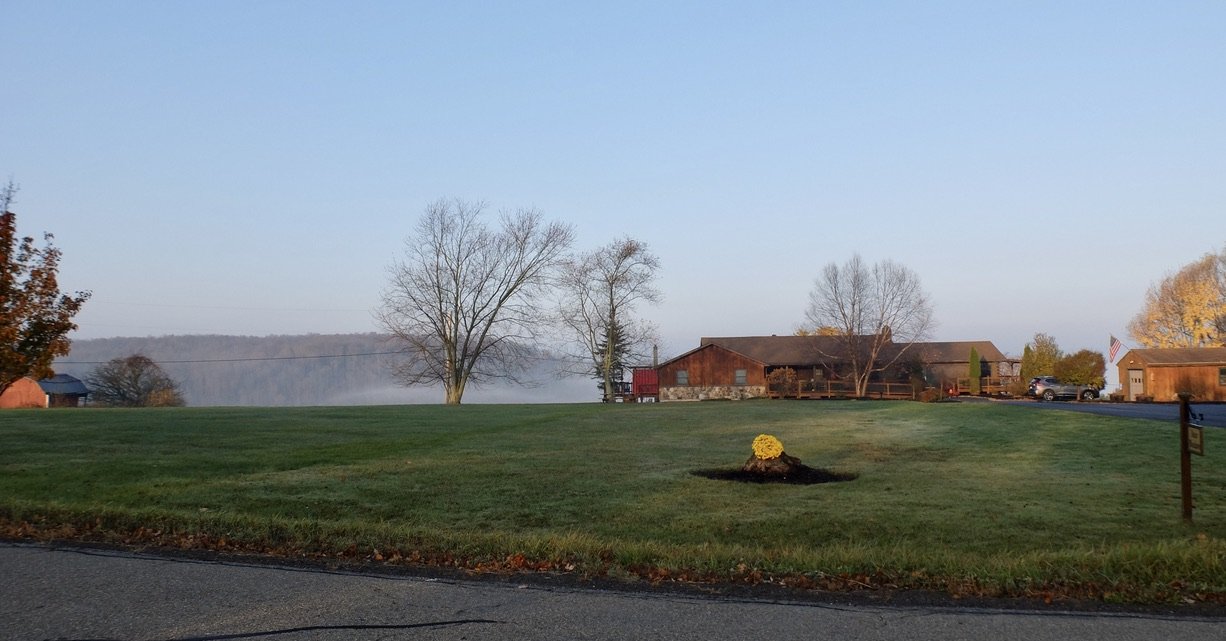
975 370
612 368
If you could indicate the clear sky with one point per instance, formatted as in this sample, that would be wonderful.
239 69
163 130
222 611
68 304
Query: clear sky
254 167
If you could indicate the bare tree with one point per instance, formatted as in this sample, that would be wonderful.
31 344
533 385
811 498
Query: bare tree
466 301
878 312
600 290
133 381
35 317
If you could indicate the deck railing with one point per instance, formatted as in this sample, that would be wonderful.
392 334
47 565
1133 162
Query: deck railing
839 389
988 385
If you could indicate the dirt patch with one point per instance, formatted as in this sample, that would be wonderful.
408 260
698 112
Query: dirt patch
801 475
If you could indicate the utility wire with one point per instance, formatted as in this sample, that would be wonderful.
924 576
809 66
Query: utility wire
239 360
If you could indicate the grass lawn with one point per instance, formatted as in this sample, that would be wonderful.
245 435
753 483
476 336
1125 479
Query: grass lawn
973 498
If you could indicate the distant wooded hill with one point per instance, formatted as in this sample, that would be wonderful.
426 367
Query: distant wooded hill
315 369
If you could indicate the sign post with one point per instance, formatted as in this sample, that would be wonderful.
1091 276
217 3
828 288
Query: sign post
1185 452
1196 439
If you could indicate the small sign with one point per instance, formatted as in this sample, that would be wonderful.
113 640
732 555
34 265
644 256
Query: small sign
1196 440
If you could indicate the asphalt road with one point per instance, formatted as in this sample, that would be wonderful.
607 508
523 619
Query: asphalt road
81 594
1214 413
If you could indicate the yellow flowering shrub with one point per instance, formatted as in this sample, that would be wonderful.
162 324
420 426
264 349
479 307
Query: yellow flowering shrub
767 447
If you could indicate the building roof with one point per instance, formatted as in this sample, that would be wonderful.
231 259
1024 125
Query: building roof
1177 356
808 350
63 384
779 350
958 351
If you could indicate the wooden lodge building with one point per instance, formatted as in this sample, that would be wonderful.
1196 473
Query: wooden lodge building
740 368
1161 374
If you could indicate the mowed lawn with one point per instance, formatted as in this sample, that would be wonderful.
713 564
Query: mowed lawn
966 497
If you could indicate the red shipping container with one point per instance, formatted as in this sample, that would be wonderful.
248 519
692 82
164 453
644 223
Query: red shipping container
645 383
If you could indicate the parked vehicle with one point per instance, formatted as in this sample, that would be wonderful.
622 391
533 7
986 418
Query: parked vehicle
1049 388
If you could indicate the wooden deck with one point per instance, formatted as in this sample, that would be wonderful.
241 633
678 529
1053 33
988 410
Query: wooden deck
988 386
840 389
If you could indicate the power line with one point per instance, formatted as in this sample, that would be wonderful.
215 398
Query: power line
239 360
229 307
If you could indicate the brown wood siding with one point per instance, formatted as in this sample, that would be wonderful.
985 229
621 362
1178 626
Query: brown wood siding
1164 383
64 400
712 365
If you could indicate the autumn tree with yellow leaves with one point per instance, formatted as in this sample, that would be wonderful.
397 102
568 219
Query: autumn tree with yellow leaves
1186 309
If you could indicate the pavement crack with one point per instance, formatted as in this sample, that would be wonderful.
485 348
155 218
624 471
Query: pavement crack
319 628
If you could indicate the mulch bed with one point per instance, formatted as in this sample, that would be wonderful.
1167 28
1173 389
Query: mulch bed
799 475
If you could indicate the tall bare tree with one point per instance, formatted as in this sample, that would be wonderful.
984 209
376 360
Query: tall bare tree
872 309
1186 309
34 317
466 301
600 290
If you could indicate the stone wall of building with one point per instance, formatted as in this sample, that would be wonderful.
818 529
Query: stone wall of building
711 392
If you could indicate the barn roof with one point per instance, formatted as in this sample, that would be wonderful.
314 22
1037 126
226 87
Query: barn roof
1177 356
63 384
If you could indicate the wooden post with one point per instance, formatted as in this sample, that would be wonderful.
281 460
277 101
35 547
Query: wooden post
1185 456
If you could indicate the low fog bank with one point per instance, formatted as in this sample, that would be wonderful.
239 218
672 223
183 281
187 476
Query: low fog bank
307 370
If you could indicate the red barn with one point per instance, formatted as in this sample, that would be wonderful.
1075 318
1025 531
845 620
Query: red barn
24 393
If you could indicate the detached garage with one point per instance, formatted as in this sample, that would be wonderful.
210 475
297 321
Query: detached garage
1162 374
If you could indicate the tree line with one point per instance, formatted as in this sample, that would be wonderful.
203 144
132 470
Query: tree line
1043 357
466 298
471 303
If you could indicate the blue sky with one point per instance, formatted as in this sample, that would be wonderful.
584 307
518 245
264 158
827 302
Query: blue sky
254 167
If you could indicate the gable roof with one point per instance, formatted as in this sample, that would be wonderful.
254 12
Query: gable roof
958 351
1177 356
779 350
63 384
782 351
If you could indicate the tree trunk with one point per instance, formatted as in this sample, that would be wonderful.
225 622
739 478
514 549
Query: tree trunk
783 465
609 347
454 387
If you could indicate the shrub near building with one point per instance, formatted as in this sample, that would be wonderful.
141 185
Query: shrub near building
1086 367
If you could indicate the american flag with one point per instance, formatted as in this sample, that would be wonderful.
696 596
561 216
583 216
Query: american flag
1115 347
